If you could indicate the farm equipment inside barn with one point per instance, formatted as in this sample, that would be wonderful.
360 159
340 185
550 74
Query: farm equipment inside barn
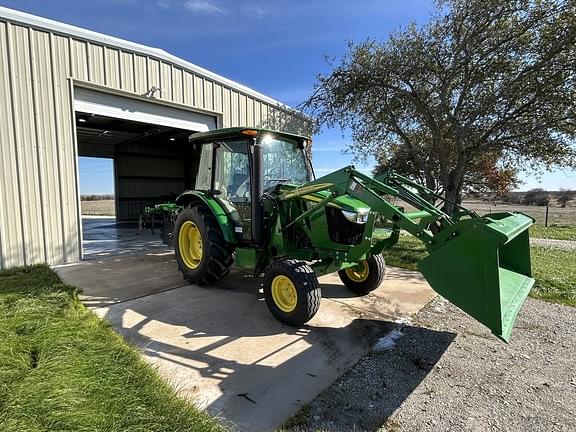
256 207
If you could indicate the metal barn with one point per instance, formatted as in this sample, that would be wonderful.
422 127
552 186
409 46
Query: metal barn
67 92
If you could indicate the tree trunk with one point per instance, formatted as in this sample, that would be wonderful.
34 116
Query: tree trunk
431 183
453 186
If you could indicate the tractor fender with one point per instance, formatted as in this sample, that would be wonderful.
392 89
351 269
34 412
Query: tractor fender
219 213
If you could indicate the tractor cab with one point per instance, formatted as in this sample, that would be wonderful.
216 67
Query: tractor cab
238 165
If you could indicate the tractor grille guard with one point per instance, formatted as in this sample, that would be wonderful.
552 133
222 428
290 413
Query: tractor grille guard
341 230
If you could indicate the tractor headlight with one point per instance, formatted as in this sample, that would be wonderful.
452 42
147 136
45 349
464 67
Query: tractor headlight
360 216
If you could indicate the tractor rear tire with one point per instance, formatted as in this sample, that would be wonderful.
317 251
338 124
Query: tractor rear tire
202 254
366 276
292 291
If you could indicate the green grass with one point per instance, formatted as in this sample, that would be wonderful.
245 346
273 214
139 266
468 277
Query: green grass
406 253
555 274
62 368
553 232
553 269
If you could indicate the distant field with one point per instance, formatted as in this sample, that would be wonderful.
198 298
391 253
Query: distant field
98 208
556 215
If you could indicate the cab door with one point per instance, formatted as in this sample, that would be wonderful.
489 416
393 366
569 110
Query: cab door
232 183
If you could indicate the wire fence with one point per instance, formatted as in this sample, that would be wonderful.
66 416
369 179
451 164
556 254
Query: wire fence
544 215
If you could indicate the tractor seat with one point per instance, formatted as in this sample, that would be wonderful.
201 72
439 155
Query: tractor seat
237 181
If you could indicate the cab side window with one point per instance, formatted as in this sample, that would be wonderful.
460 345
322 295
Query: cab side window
232 170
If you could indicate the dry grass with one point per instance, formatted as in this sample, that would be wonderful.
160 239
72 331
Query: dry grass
556 215
98 208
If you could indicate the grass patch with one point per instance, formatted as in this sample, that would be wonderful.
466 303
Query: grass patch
555 274
62 368
553 269
553 232
406 253
297 421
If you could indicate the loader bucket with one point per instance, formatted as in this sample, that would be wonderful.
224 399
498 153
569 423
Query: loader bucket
484 268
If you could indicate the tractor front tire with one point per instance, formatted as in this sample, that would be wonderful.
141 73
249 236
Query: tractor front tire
202 254
366 276
292 291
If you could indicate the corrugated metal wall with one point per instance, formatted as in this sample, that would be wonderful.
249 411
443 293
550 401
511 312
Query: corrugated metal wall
39 204
39 201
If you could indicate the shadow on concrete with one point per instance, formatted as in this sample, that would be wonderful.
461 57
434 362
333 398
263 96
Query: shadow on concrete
220 347
336 291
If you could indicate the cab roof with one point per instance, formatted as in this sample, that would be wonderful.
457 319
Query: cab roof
235 131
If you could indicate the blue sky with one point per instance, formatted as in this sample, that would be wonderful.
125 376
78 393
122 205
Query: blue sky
275 47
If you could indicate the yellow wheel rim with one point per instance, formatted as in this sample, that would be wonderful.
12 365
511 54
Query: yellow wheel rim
284 293
190 244
358 273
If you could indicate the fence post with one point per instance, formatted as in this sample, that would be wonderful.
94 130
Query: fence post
546 218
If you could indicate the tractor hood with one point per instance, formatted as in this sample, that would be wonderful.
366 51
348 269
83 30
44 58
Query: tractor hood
343 202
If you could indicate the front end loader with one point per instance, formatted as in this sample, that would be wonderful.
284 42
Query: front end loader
257 208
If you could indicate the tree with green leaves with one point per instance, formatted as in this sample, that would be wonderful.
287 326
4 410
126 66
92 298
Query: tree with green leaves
484 90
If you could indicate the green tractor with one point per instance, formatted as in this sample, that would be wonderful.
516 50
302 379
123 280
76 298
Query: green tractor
257 207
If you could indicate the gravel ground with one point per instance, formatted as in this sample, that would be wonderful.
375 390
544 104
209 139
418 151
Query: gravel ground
446 372
559 244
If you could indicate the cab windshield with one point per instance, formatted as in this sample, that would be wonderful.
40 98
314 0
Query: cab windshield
283 161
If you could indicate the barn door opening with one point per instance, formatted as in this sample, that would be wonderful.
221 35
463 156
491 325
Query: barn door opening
152 162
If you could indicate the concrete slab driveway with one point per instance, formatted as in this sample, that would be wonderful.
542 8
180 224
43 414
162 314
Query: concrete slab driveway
220 347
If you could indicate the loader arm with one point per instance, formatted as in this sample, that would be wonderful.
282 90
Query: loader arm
479 263
348 181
